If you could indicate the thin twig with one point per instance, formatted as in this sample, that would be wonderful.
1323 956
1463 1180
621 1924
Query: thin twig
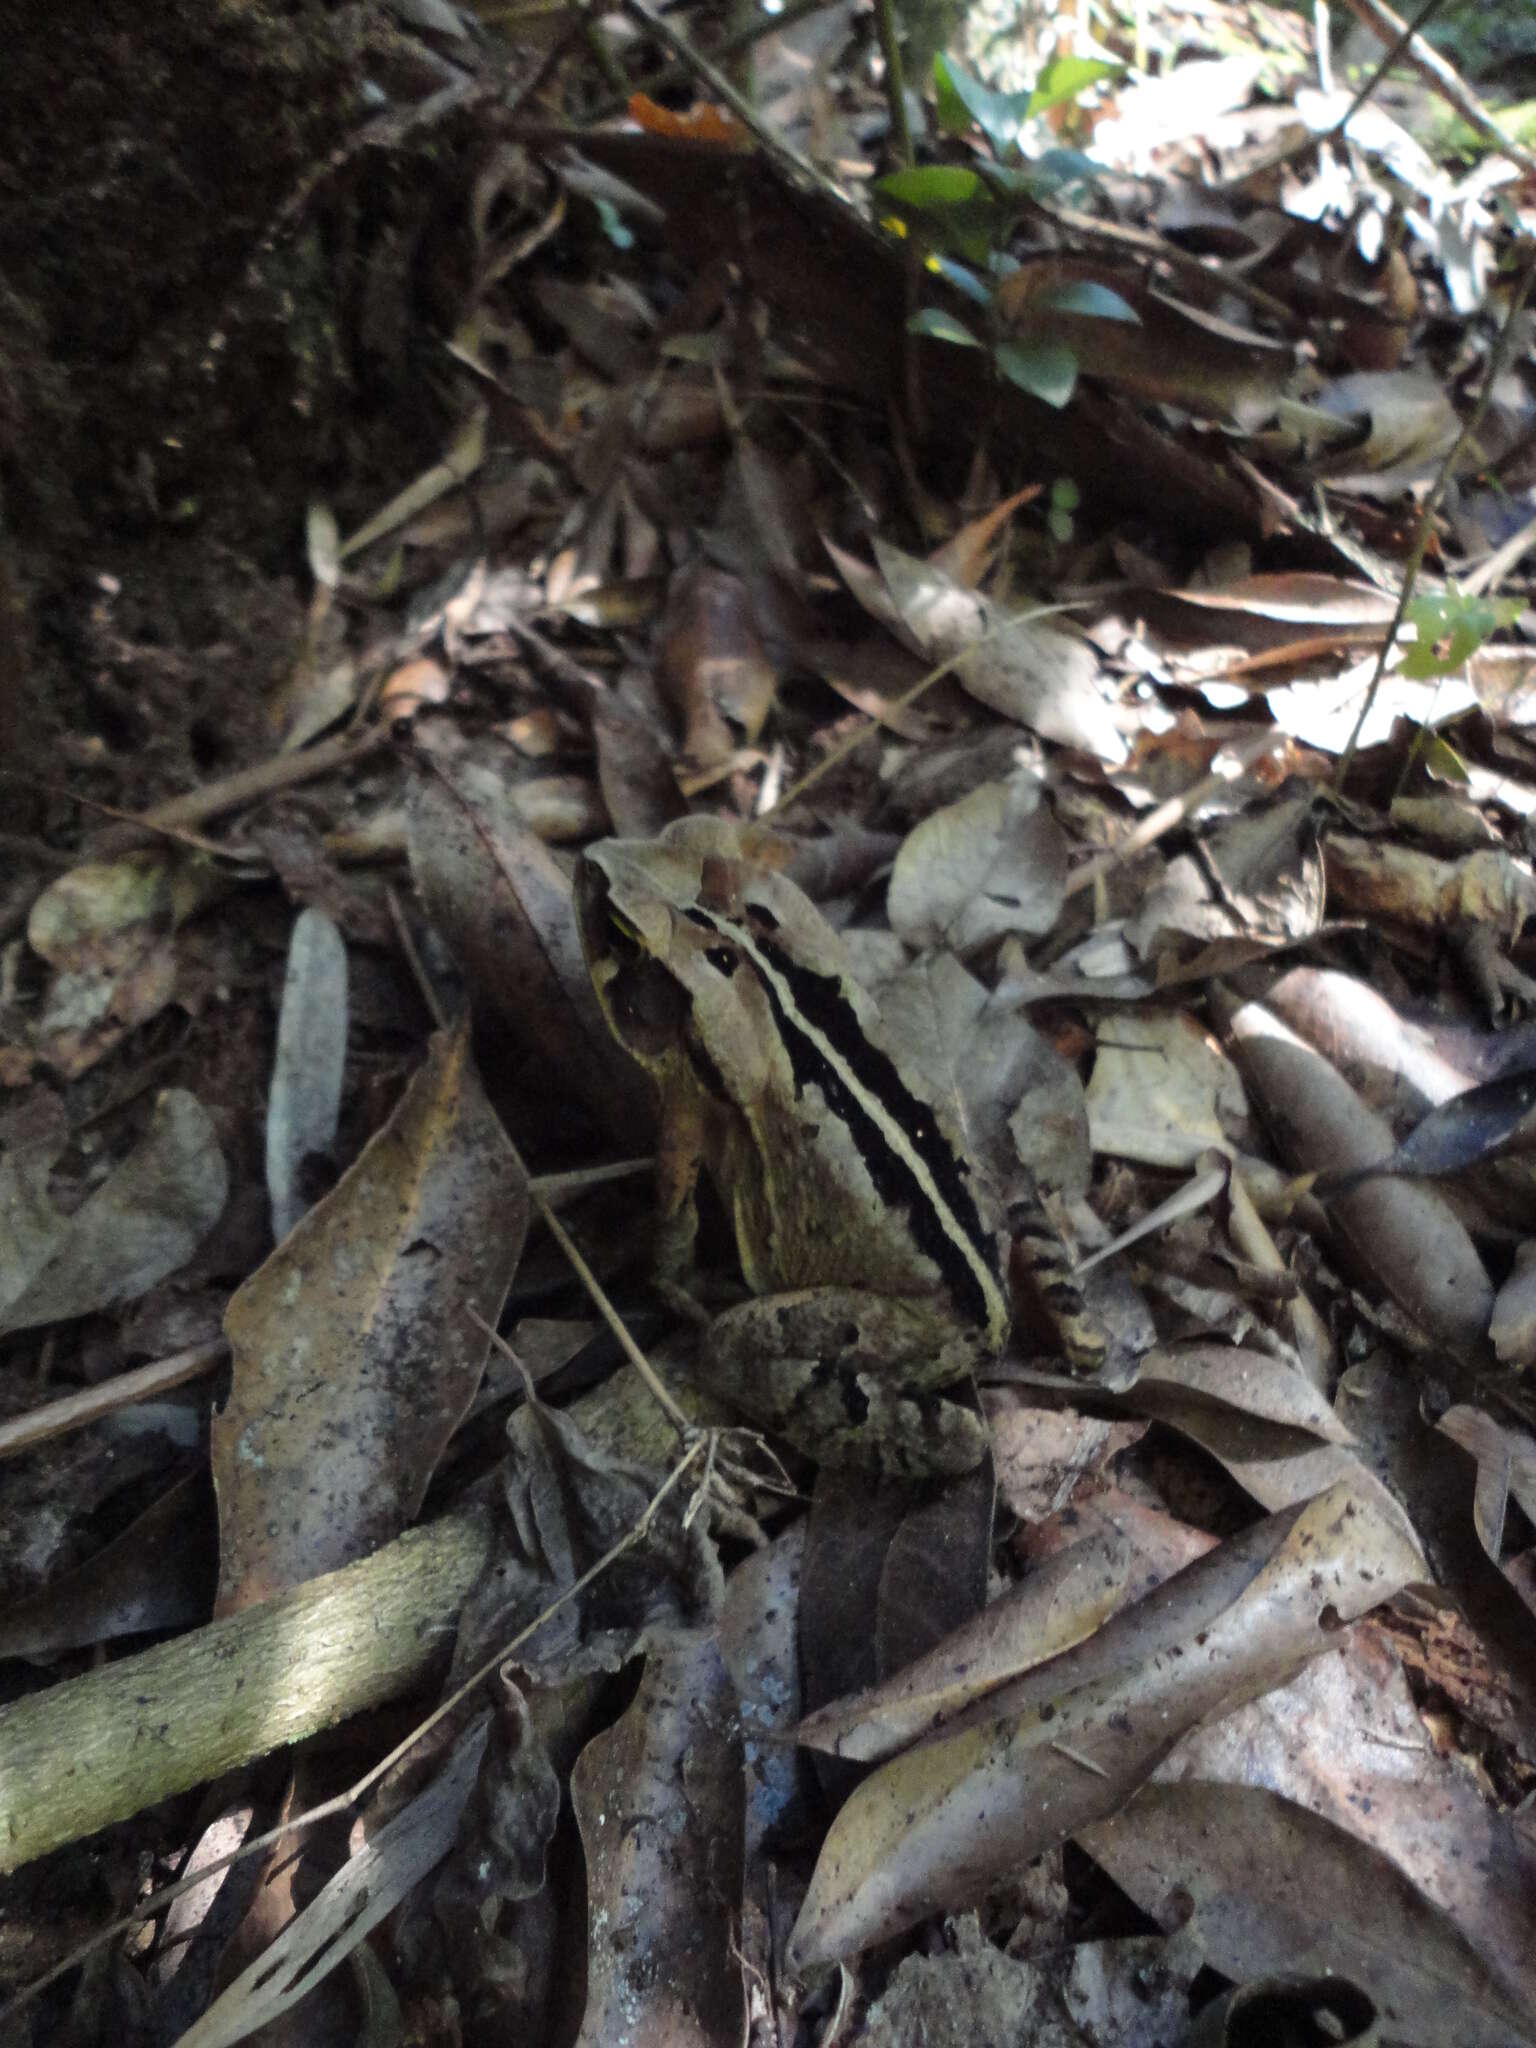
1440 75
72 1411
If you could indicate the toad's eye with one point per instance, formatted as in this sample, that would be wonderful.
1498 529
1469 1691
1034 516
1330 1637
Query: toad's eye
723 960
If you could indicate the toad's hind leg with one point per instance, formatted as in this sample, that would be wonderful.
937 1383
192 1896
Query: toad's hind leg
852 1379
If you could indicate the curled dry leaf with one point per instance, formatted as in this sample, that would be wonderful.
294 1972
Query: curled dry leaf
712 667
503 903
931 1829
1506 1471
994 863
354 1361
1405 1235
1263 1422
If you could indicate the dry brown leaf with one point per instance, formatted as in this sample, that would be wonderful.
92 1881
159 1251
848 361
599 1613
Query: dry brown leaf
354 1359
931 1828
1060 1604
1405 1235
503 904
658 1803
712 668
1275 1888
144 1221
992 864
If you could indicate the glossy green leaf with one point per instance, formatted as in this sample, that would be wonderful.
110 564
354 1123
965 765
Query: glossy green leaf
1066 78
1086 295
930 186
962 277
1045 369
940 326
1451 626
963 100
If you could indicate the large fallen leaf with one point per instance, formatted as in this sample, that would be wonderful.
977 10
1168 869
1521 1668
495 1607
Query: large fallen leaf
657 1799
1345 1738
931 1829
889 1571
144 1221
1058 1605
974 871
1275 1888
1405 1235
1263 1422
354 1356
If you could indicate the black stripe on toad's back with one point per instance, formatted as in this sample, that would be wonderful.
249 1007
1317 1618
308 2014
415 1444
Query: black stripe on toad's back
821 999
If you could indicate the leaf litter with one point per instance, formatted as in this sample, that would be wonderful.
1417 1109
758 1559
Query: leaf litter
1016 544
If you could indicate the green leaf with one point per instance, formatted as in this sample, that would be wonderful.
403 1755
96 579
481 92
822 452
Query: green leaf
1451 626
1058 171
941 326
1059 524
930 186
1065 494
1442 759
962 278
963 100
1045 369
1085 295
1065 78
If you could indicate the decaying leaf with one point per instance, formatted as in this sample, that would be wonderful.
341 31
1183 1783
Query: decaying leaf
1405 1234
354 1334
1276 1888
143 1222
504 905
930 1829
657 1803
991 864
